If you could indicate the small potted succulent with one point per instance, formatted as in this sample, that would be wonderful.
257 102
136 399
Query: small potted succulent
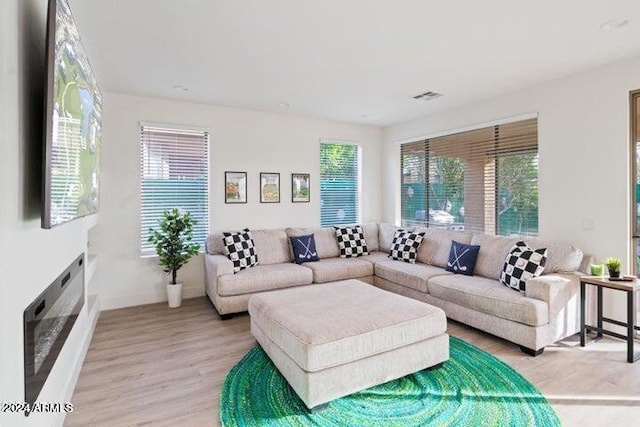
613 265
174 246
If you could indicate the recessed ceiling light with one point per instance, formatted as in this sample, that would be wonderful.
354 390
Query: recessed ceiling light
284 104
614 24
180 88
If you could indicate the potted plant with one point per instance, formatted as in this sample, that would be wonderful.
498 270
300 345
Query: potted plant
613 265
174 246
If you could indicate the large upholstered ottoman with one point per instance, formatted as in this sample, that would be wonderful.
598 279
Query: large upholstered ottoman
334 339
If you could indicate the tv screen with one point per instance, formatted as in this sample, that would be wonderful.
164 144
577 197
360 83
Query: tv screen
73 123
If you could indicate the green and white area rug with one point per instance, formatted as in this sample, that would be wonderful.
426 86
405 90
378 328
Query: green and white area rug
472 388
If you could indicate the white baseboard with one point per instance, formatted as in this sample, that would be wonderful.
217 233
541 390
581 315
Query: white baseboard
134 299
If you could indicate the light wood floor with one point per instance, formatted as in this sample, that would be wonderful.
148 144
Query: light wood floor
155 366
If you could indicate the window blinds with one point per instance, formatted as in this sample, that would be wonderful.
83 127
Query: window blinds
174 174
481 181
339 183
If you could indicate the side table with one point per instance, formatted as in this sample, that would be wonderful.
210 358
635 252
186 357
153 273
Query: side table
601 282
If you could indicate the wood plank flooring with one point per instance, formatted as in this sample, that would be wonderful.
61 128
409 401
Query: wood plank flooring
155 366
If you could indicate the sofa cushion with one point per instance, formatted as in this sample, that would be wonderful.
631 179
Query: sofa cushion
436 245
414 276
404 246
369 321
493 252
351 241
332 269
304 249
522 264
240 249
490 297
264 278
326 242
376 257
272 246
462 258
370 230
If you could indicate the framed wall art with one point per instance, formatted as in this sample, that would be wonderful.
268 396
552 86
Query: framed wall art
269 187
300 187
235 187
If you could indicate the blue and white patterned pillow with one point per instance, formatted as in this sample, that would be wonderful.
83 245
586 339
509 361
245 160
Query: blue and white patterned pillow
462 258
304 249
239 248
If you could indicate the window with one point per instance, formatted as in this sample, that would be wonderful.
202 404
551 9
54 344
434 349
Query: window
483 181
174 174
634 103
339 183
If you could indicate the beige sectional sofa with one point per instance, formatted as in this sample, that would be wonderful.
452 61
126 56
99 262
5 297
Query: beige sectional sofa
547 312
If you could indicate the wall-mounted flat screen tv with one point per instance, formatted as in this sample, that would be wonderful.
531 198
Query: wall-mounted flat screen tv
73 124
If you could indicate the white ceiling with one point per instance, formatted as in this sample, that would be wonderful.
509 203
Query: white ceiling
350 60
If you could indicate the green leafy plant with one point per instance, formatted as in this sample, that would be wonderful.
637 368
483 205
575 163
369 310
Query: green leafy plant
173 242
613 264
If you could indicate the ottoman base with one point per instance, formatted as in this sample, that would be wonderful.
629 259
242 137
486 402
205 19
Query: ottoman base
318 388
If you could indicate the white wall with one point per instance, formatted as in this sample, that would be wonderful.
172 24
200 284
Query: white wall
30 258
241 140
584 156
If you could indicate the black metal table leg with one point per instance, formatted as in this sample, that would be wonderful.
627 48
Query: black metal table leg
583 329
599 335
630 328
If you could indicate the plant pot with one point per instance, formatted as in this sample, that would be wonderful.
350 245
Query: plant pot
174 294
614 274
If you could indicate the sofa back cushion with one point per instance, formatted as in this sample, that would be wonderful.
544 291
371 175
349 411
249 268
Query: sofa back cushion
326 242
370 230
272 246
493 253
436 245
561 257
385 235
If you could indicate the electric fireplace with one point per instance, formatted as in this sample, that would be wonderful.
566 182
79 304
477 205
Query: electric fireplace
47 323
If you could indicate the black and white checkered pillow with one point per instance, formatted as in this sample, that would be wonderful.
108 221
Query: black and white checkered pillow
404 246
239 248
351 241
522 264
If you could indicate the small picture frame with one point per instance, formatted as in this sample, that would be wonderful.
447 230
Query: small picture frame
300 187
269 187
235 187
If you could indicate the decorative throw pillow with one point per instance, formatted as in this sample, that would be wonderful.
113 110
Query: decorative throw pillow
351 241
404 246
240 249
522 264
462 258
304 248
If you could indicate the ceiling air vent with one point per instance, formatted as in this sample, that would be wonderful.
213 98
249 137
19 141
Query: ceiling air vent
428 96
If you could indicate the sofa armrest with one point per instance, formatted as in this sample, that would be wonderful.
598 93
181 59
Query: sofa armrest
214 267
554 289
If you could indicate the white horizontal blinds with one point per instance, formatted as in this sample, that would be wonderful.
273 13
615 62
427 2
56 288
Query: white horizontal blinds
174 174
339 183
517 182
481 181
413 197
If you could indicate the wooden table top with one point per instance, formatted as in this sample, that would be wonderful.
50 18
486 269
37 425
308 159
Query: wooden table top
633 285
